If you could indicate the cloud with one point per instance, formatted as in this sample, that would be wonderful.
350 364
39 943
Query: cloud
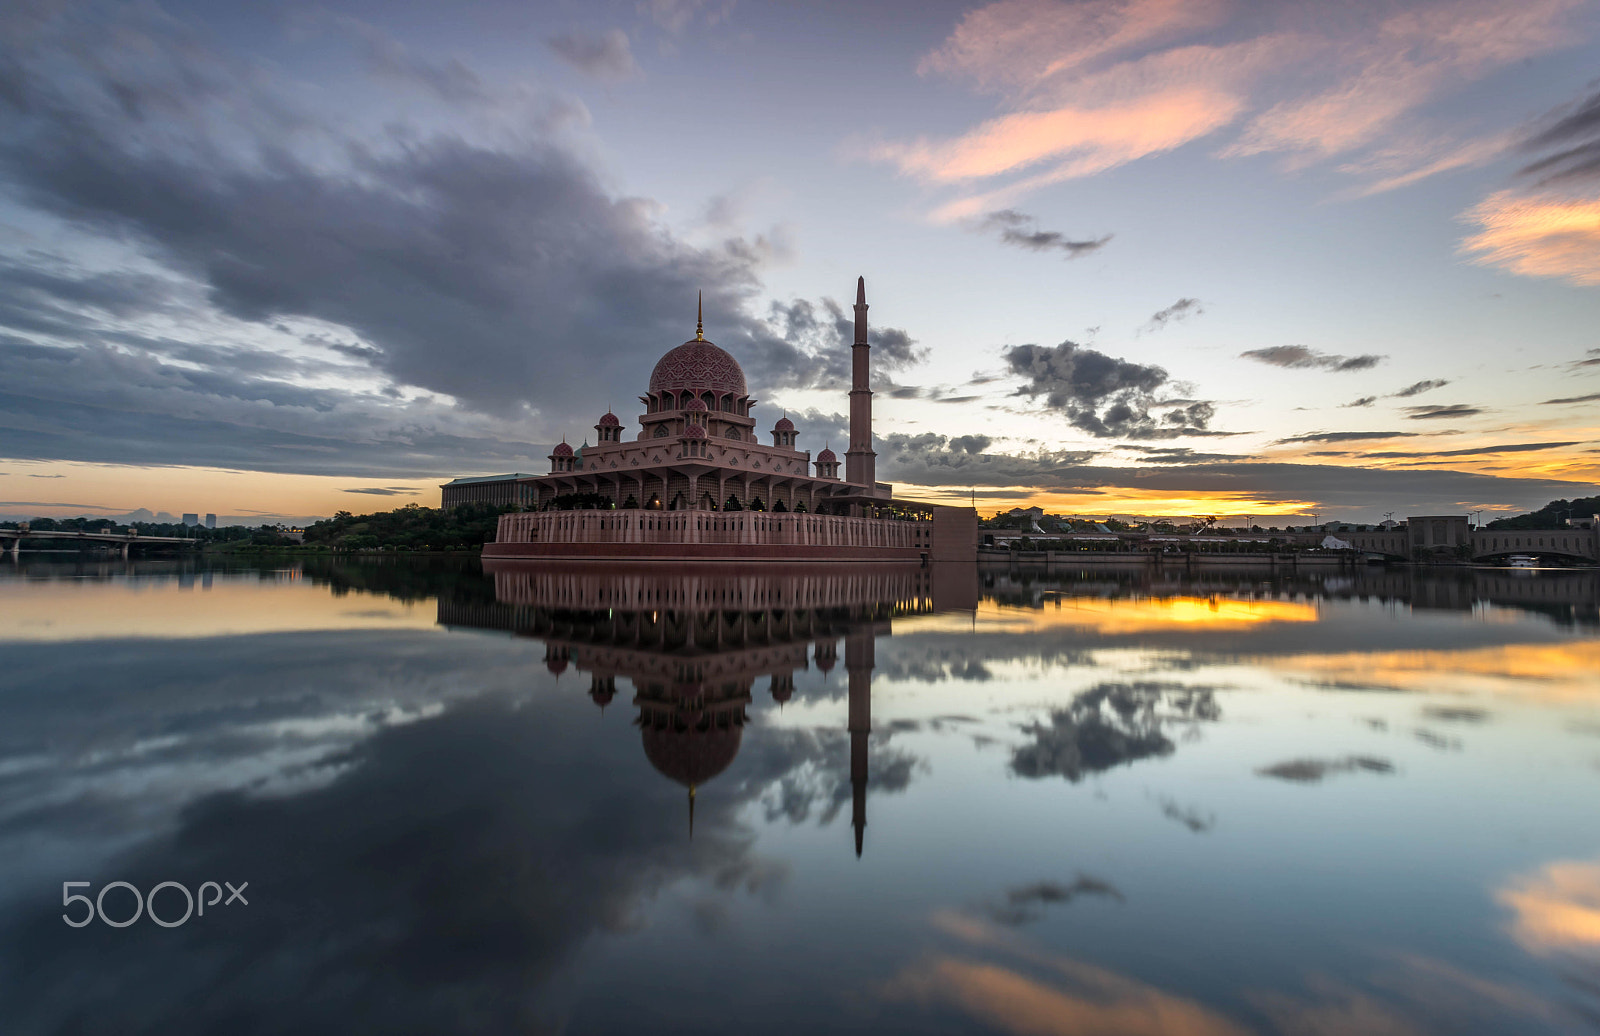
1180 310
1103 395
1312 771
1557 908
1088 86
1418 388
451 81
1400 63
1363 401
801 344
1300 357
1572 134
1342 437
1537 235
1429 413
675 15
441 281
927 460
606 57
1572 399
1015 228
1023 904
389 491
1476 451
1111 725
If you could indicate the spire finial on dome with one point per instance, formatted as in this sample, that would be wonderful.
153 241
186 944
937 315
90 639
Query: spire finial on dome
699 316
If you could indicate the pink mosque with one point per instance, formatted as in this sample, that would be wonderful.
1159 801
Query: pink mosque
697 484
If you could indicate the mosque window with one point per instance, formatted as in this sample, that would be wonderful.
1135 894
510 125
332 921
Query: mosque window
661 431
732 433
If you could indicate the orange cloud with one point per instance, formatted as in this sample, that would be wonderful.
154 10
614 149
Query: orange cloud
1070 998
1020 44
1098 138
1402 62
1096 84
1557 909
1538 236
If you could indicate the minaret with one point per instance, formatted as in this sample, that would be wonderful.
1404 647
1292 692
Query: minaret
860 649
860 463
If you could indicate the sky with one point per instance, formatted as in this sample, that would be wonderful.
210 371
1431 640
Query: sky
1159 257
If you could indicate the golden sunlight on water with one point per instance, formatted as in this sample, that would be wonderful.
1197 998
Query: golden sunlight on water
228 604
1140 614
1560 673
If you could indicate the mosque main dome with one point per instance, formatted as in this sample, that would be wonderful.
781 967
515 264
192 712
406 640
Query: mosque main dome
698 364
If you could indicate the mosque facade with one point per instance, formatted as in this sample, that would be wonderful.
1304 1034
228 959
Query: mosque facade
697 483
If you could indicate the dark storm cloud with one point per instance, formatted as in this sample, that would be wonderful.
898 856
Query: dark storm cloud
506 275
1572 399
1111 725
1343 437
1024 904
1019 229
1418 388
1429 413
1572 138
1103 395
1179 310
606 57
97 404
1300 357
1313 771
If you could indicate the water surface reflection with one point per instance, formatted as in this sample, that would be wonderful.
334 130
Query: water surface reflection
596 799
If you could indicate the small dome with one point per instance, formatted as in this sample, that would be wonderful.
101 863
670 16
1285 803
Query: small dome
694 431
561 450
827 457
694 404
698 364
609 420
783 425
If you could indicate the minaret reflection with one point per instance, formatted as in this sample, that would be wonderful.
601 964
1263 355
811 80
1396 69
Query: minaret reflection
860 655
694 643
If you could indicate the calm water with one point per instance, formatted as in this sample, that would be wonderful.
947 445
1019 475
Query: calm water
863 799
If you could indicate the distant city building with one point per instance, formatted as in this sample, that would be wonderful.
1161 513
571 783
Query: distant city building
211 521
191 520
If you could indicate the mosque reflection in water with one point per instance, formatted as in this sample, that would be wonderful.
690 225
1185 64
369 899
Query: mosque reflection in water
696 644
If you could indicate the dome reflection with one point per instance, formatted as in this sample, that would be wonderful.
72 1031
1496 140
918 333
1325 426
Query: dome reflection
695 644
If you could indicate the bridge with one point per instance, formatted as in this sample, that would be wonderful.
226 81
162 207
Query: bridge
11 539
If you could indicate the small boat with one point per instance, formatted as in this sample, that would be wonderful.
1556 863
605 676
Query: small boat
1522 561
